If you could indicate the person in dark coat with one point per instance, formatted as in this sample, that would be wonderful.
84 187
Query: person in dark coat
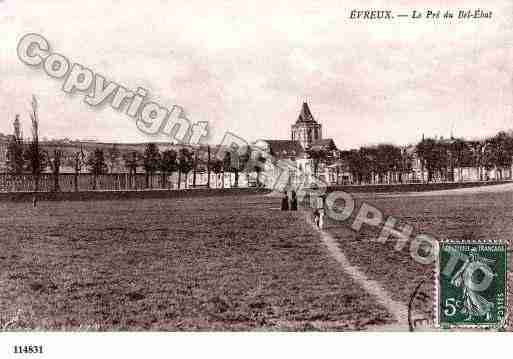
285 201
293 201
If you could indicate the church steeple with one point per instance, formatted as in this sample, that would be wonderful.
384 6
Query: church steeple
306 130
305 115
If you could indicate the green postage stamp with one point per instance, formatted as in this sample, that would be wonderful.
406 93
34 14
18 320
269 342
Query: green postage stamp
471 284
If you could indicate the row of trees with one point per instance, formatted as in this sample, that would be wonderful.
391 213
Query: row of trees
378 161
30 157
22 158
442 158
183 162
439 158
382 163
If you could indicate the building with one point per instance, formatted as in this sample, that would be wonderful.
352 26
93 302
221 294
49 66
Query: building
307 152
306 130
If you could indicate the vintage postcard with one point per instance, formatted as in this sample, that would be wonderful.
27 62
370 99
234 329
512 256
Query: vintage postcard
272 166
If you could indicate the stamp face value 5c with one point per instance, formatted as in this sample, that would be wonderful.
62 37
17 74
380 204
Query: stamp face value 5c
471 284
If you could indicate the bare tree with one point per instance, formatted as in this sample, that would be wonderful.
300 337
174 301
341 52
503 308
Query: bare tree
15 161
34 156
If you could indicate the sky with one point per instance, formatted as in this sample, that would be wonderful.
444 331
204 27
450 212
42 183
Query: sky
246 67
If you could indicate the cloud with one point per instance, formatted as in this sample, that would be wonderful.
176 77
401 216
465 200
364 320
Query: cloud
246 68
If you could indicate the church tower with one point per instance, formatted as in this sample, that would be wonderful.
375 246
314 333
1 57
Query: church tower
306 130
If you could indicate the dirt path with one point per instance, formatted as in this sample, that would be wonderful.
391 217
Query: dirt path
398 310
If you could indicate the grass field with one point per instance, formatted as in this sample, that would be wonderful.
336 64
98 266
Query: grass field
451 215
216 263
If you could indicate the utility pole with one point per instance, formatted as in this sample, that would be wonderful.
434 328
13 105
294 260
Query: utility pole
208 167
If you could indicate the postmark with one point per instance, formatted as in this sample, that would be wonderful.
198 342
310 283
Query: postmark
420 307
471 284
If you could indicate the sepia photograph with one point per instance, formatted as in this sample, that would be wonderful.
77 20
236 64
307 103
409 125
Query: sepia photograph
193 169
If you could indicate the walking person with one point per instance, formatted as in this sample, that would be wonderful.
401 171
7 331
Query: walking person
319 211
285 201
293 201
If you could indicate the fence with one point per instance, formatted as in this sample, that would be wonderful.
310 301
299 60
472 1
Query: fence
119 181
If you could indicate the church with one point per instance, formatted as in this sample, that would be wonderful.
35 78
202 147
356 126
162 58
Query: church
307 150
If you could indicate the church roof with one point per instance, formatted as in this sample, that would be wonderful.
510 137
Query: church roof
305 115
325 144
284 148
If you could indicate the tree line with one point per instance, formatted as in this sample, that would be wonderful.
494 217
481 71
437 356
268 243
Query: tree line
440 159
185 161
30 157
